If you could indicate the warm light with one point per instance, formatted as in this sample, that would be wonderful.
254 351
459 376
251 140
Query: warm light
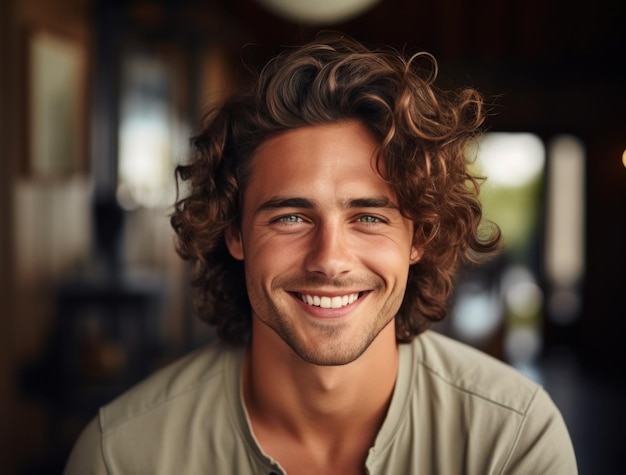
511 159
55 144
513 164
565 228
624 158
565 212
320 12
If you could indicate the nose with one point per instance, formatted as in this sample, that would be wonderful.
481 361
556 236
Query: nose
330 253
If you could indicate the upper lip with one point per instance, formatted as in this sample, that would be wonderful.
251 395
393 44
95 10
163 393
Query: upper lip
331 294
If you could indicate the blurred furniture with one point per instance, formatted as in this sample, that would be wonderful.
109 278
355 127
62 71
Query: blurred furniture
106 337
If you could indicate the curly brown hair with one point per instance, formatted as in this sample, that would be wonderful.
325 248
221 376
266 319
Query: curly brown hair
423 132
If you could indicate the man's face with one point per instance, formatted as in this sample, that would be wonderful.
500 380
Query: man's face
325 248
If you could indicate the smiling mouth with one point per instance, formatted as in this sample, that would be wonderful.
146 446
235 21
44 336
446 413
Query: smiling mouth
337 301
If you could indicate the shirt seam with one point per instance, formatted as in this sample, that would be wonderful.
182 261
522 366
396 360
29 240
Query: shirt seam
160 402
518 433
471 392
103 452
243 428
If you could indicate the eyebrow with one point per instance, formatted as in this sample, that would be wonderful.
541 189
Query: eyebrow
304 203
374 202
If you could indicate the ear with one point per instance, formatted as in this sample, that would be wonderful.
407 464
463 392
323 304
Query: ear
234 242
416 254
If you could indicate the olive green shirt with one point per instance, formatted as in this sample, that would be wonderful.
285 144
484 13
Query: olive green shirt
454 410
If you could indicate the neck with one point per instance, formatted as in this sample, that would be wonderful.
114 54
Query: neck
285 393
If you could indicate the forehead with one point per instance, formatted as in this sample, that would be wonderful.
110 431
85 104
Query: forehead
331 158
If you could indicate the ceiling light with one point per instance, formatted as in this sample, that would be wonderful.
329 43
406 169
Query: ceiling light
319 12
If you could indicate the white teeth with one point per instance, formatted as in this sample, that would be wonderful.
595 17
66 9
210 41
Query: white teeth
329 302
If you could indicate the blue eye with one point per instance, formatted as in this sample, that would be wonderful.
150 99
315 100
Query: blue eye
369 219
292 218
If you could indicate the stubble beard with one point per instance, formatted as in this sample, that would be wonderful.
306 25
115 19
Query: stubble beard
336 349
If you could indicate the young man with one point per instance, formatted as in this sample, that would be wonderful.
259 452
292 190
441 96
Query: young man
328 209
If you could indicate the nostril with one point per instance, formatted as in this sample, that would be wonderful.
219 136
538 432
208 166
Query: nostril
329 257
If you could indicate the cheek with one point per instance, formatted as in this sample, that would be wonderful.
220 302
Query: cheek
267 258
274 248
390 261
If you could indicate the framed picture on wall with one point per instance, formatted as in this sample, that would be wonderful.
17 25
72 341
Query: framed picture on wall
56 105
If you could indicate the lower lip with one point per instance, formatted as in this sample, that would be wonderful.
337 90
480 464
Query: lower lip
330 313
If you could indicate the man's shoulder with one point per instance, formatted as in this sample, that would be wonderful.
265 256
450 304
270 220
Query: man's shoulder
198 373
473 373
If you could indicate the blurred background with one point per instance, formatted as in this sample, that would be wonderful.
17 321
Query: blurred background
99 98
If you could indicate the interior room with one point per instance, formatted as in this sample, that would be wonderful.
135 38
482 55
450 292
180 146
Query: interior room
98 101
